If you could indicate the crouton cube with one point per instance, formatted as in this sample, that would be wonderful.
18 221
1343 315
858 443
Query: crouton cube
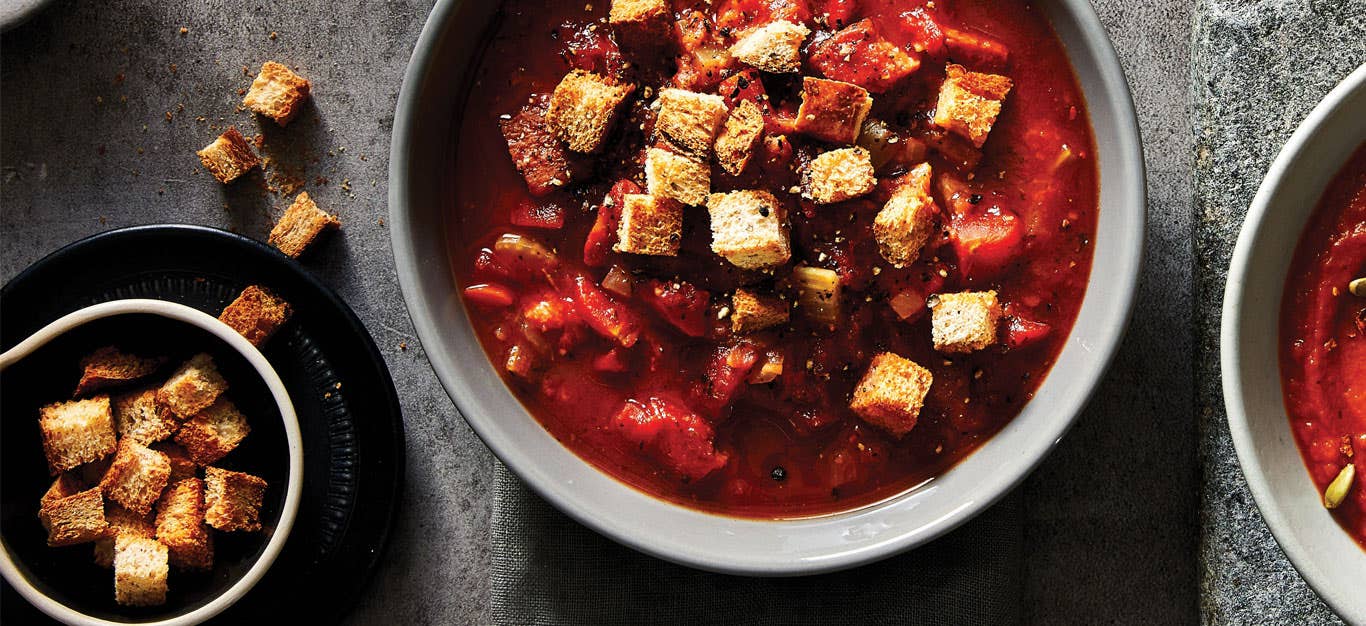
969 103
641 24
277 93
65 486
214 432
748 229
301 224
752 311
689 121
229 156
136 477
649 225
905 223
193 387
831 110
256 314
232 500
775 47
109 367
140 569
735 145
544 162
77 518
839 175
76 432
180 525
182 466
122 523
891 393
583 109
138 417
669 175
964 322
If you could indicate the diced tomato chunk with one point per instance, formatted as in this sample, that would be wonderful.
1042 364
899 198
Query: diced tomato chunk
598 246
674 435
487 265
612 361
1021 332
546 311
605 315
987 242
974 48
724 377
591 49
837 13
489 295
679 303
543 213
915 30
859 55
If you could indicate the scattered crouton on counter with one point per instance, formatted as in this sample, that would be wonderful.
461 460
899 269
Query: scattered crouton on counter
232 500
775 47
110 367
193 387
690 121
969 103
229 156
748 229
839 175
256 314
277 93
77 432
752 311
301 224
964 322
649 225
669 175
891 393
583 109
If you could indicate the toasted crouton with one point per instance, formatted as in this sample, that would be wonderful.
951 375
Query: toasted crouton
214 432
193 387
748 229
256 314
839 175
583 109
140 570
182 466
964 322
77 518
905 223
64 486
180 525
775 47
277 93
668 175
641 24
76 432
136 477
109 367
969 103
122 523
751 311
138 417
232 500
229 156
689 121
831 110
649 225
302 222
891 393
735 145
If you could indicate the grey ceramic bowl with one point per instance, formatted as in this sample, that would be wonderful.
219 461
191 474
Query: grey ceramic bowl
419 195
1290 502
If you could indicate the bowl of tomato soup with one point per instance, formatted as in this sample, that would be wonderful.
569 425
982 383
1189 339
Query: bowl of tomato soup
767 288
1294 348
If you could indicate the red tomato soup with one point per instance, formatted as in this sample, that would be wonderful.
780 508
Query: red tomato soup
1323 342
712 269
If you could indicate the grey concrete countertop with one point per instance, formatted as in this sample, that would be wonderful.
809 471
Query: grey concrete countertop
102 105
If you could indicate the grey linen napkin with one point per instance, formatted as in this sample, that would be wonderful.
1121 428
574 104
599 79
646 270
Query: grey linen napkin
549 570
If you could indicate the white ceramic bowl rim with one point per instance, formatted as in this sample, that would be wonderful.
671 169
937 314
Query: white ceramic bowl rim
1324 121
748 546
293 489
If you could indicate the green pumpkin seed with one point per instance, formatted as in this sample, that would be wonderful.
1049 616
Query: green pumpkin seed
1337 490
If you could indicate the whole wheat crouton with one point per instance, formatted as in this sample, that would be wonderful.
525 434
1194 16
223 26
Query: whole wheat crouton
649 225
839 175
180 525
544 162
137 476
964 322
891 393
122 523
669 175
213 432
138 417
229 156
76 432
775 47
232 500
182 466
969 103
108 367
193 387
277 93
752 311
140 570
302 222
583 109
641 24
741 133
77 518
748 229
65 486
905 223
689 121
256 314
831 110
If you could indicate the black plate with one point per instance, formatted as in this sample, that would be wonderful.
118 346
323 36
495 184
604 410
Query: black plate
348 410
